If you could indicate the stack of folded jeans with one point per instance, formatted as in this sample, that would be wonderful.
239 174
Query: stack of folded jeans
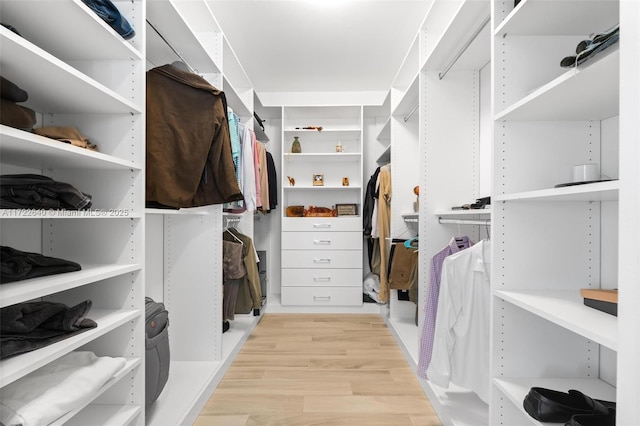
28 326
589 48
572 408
12 114
30 191
17 265
110 14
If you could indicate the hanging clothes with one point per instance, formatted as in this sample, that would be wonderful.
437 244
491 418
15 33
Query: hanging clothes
248 169
462 341
384 227
256 167
188 152
264 177
273 182
249 292
431 306
233 271
236 155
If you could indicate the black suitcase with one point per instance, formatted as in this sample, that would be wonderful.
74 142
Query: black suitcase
157 355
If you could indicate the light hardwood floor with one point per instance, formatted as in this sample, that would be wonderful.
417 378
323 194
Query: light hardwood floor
319 369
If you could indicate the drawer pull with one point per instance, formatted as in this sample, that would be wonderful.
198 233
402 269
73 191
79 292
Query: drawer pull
322 225
327 242
322 260
321 278
327 298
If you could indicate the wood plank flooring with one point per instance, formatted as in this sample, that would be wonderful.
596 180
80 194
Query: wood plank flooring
319 369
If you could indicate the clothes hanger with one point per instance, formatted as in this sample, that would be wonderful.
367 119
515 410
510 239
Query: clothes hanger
235 237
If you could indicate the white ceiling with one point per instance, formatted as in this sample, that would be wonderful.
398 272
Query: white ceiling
320 45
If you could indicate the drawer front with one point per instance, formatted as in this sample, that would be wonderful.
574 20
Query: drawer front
321 296
322 240
322 259
322 224
322 278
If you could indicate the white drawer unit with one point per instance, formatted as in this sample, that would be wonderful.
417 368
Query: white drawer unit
321 240
320 259
322 296
322 278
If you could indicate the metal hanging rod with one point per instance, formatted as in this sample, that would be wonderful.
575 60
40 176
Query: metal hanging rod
486 222
171 47
411 113
466 45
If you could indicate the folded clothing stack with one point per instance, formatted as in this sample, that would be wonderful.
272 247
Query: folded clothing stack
110 14
16 265
31 191
12 114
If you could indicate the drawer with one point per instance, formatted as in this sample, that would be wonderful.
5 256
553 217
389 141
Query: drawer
322 296
353 223
322 278
322 240
322 259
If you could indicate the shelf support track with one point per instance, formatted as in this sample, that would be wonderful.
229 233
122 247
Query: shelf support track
466 45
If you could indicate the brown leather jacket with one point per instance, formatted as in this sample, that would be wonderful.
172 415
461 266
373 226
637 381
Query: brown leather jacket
189 161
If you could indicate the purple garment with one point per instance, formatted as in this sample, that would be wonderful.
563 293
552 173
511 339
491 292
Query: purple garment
431 306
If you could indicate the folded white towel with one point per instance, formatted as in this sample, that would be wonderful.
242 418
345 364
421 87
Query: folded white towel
50 392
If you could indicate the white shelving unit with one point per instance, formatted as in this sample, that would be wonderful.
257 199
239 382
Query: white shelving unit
557 117
184 247
322 256
101 93
436 110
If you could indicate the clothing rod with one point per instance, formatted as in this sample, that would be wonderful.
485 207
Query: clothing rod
465 221
411 113
466 45
171 47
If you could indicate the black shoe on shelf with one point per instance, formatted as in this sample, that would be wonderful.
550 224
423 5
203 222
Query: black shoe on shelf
593 419
225 326
547 405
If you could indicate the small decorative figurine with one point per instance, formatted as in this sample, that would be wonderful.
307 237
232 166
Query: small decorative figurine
295 146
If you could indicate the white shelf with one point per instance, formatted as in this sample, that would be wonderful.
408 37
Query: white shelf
517 388
22 291
566 99
63 41
409 100
330 156
191 211
64 90
334 131
68 214
385 133
566 308
600 191
106 415
166 16
34 151
236 99
543 17
385 157
18 366
463 213
467 19
321 188
99 414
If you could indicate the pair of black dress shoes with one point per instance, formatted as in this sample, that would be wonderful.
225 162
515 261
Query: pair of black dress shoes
572 408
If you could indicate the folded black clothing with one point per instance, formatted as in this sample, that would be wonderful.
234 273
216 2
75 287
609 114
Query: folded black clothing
16 116
548 405
27 326
40 192
11 91
16 265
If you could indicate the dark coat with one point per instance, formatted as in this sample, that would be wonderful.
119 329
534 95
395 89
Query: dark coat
188 161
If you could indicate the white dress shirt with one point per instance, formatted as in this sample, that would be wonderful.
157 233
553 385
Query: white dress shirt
461 340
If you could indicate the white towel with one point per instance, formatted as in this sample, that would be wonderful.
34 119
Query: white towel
50 392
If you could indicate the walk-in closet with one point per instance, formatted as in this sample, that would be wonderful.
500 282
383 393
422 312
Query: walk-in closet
243 212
